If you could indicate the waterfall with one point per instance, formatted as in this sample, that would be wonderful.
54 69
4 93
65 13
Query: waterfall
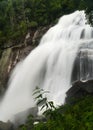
50 65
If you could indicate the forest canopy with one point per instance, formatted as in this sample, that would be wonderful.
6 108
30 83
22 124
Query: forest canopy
16 16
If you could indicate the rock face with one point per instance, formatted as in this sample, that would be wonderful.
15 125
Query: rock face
21 117
13 54
4 62
38 34
83 65
9 59
78 90
6 126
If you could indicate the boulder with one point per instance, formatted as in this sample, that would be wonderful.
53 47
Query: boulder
78 90
21 117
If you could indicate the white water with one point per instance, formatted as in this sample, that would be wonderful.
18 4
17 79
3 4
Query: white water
49 66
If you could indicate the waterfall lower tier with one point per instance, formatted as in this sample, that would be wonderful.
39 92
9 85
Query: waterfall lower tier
50 66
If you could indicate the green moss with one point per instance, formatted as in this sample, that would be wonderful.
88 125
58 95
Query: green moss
33 24
5 58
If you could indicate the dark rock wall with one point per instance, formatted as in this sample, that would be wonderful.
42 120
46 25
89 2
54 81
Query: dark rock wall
13 54
79 90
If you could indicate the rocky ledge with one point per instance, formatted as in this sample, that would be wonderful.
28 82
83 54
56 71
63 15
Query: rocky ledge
79 90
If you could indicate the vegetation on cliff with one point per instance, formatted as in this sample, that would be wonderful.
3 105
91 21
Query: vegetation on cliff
78 116
17 16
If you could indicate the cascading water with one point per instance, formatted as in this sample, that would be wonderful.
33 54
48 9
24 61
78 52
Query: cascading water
50 65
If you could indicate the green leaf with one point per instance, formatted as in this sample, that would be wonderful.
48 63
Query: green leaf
39 96
42 107
41 101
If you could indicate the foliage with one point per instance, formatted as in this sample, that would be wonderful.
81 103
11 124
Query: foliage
42 101
71 117
33 24
77 116
16 16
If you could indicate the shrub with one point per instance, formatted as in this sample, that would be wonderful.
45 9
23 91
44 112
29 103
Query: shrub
33 24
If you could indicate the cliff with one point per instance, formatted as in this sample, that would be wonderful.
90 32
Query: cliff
14 53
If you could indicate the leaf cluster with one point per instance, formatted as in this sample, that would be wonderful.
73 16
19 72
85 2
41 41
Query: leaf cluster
70 117
41 99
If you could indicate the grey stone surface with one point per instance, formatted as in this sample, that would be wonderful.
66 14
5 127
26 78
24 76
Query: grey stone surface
6 126
79 89
21 117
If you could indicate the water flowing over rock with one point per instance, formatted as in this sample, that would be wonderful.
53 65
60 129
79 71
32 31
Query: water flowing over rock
21 117
15 52
50 65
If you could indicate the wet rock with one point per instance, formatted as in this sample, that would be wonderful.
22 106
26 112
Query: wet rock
6 126
4 62
38 34
13 53
9 59
78 90
83 64
40 119
21 117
